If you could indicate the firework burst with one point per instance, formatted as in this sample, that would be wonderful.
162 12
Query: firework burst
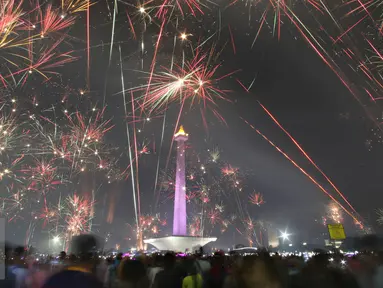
334 213
10 21
194 82
78 214
74 6
256 199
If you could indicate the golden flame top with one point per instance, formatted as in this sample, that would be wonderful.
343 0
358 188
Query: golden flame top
181 131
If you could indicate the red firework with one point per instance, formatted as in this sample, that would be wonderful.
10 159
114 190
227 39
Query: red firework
229 170
214 216
89 132
168 6
194 81
54 21
48 59
256 199
79 212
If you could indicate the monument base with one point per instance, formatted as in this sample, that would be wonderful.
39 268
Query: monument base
179 243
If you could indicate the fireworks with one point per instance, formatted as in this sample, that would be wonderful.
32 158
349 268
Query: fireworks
193 81
29 47
256 199
10 20
214 154
53 21
334 213
150 225
54 142
74 6
78 214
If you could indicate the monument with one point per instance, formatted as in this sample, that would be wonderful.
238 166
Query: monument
180 241
179 220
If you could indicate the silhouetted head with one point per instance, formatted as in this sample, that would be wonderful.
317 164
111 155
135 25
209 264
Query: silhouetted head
119 256
132 271
85 247
62 255
169 260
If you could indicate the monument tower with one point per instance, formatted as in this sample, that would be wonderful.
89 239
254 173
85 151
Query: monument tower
179 220
180 241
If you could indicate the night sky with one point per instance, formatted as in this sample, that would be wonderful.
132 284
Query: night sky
291 81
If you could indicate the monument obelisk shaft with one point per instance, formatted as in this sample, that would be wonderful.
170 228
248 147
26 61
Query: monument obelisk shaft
179 241
179 220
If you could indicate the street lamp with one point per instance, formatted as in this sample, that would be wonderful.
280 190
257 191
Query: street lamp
284 236
56 239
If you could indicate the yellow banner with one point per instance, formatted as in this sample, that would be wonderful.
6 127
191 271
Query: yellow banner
336 231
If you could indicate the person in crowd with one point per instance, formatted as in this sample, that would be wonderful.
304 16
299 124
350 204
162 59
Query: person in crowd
81 272
111 271
319 273
19 267
132 274
217 273
193 278
7 279
62 257
73 279
378 273
255 271
168 277
156 267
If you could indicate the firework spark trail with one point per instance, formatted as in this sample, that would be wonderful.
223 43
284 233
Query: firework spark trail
49 59
18 32
302 170
308 157
158 163
256 199
152 66
260 27
75 6
279 8
56 146
195 82
315 45
174 47
137 159
129 144
10 15
193 5
232 40
349 29
52 21
334 67
363 6
87 3
115 11
131 26
378 54
243 86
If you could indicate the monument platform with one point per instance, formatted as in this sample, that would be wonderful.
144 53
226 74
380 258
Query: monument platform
179 243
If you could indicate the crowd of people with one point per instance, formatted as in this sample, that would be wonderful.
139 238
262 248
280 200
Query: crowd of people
88 269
